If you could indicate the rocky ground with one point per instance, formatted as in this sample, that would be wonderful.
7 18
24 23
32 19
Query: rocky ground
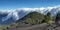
43 26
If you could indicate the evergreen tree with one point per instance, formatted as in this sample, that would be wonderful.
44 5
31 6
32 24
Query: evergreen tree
48 18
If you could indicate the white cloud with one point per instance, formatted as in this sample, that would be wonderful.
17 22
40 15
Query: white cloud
42 8
33 9
28 9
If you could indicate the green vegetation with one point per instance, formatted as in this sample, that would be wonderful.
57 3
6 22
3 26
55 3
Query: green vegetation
33 18
38 18
8 26
48 19
4 26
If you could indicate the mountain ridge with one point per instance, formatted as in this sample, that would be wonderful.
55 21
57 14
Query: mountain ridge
20 13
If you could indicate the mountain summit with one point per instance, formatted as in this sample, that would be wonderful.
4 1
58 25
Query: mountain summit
9 16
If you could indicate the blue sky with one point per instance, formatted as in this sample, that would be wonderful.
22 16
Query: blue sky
15 4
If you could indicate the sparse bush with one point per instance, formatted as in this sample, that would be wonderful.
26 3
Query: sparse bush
7 27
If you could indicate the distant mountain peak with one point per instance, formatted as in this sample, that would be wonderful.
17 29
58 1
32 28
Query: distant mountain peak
13 15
